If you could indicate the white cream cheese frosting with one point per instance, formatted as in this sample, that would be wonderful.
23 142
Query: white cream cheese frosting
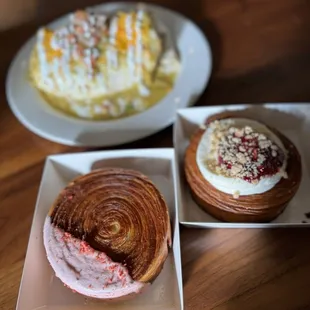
240 156
85 270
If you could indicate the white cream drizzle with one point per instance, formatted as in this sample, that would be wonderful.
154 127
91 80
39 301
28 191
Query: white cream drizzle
128 26
112 52
42 54
131 48
138 51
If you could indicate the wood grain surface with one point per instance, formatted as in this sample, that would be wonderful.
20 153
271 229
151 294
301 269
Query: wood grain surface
261 54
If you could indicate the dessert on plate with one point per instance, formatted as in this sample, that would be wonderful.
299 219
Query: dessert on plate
100 66
241 170
108 233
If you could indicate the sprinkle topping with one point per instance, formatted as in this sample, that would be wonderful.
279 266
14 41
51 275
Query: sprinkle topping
80 39
88 35
244 153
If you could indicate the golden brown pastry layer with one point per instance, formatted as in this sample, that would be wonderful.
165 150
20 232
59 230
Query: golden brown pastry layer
119 212
252 208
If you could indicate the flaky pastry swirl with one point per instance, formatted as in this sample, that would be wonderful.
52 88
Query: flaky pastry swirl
252 208
119 212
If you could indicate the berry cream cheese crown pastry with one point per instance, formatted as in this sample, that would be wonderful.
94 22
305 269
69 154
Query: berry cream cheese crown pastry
241 170
108 233
101 67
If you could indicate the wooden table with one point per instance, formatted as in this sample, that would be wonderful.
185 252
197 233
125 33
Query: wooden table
261 53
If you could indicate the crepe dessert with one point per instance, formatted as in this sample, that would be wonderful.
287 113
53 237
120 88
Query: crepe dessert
240 170
100 66
108 233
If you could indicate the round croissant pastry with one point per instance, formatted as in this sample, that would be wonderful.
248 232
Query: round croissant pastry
240 170
108 233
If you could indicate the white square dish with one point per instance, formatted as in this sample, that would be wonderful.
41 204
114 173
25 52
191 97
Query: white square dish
293 120
40 289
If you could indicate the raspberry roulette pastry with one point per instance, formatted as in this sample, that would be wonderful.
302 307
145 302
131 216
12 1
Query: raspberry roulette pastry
240 170
108 233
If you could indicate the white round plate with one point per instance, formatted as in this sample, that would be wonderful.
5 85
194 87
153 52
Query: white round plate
31 110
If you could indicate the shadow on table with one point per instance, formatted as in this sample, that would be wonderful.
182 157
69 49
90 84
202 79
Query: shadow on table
284 80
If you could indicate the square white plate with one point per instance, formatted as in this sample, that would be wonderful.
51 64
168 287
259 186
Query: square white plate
40 289
293 120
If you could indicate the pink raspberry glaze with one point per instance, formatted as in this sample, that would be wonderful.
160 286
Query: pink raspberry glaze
85 270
